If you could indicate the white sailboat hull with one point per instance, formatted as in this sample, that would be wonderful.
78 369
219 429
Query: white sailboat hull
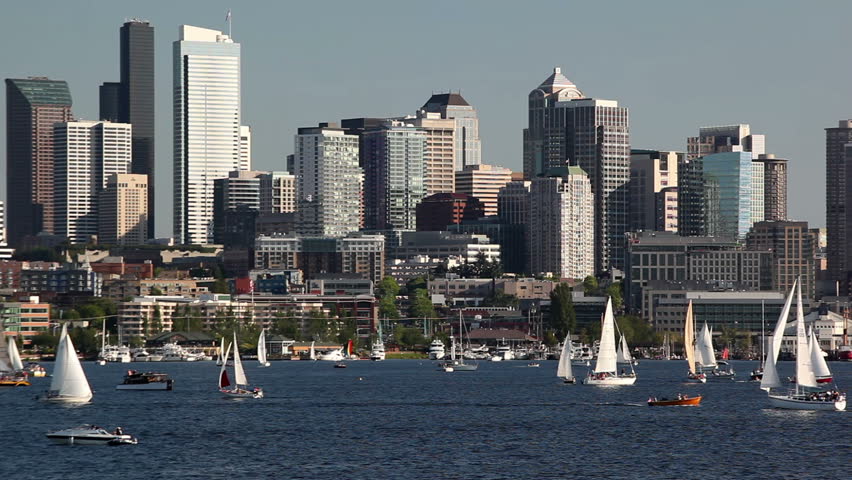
610 381
68 398
784 401
241 393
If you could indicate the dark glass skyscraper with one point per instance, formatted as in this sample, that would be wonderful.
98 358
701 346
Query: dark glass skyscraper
837 196
134 100
33 105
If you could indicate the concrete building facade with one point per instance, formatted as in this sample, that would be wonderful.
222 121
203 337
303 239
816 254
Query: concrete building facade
483 182
123 210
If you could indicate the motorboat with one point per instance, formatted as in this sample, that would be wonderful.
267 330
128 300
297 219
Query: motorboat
436 350
140 355
581 356
17 379
116 353
340 364
91 435
35 370
534 364
145 381
377 352
680 401
335 355
503 352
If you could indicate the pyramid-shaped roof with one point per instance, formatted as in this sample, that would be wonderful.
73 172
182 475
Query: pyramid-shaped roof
557 82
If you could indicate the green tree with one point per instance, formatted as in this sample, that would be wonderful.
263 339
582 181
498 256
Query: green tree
221 286
421 305
562 316
590 286
157 321
44 341
550 339
155 291
85 340
408 336
498 298
388 287
416 283
614 291
388 308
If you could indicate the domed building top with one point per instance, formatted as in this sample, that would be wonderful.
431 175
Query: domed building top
557 83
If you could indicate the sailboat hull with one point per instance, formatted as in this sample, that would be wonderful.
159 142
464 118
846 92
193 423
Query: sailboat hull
68 398
610 381
240 393
793 403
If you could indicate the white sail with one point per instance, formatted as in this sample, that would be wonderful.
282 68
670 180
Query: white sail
261 347
606 351
224 363
239 373
564 370
770 372
313 353
817 359
705 347
623 353
222 359
14 356
689 338
804 370
69 381
5 358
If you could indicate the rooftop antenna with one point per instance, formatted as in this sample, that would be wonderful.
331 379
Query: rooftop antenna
228 19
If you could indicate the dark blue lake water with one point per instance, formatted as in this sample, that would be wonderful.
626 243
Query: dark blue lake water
404 419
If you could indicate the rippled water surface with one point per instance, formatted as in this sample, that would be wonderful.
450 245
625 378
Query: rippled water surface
405 419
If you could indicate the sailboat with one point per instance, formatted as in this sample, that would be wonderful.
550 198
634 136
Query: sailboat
605 371
261 349
12 372
459 365
313 353
101 358
757 373
807 394
821 371
564 370
377 352
623 353
69 383
220 359
706 357
240 388
689 347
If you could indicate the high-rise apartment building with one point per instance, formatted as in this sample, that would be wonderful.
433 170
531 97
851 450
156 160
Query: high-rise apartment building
393 160
726 138
436 212
484 183
329 181
440 153
566 128
132 99
277 192
86 154
468 147
123 210
793 247
245 147
560 227
33 105
838 193
206 126
774 187
653 190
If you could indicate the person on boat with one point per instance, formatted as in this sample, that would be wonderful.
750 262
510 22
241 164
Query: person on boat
118 431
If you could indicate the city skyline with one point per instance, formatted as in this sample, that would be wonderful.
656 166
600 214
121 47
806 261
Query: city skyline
664 79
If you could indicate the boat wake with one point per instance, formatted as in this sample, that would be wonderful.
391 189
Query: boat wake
620 404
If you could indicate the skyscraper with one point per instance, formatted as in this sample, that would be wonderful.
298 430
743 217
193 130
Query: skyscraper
393 161
792 246
566 128
726 138
5 252
245 147
838 193
440 153
728 213
123 210
33 105
86 155
277 192
206 126
329 181
774 187
560 236
468 147
132 99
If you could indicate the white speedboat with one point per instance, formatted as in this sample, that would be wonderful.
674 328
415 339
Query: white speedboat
145 381
436 350
91 435
116 353
377 353
140 355
503 352
335 355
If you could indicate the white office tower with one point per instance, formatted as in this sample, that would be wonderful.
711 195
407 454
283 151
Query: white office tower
86 154
329 181
468 147
245 147
5 252
207 136
561 224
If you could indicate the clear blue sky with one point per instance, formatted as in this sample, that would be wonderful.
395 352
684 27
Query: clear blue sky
784 67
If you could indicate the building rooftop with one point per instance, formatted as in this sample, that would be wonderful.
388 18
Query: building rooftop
438 100
42 90
557 82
